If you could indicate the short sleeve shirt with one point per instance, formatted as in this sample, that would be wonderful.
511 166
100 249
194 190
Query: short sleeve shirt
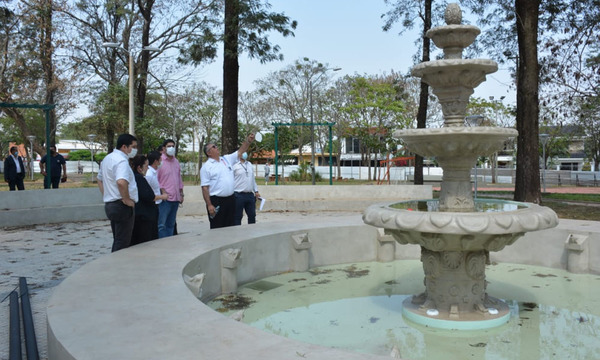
56 163
115 166
218 175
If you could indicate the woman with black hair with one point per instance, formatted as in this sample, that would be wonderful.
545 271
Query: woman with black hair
145 227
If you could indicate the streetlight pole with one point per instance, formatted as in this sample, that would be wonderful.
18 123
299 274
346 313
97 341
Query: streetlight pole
91 137
31 138
472 121
131 79
544 140
312 124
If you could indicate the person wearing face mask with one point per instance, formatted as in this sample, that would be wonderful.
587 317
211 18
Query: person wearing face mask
145 227
246 191
169 179
57 162
14 170
154 163
116 182
218 185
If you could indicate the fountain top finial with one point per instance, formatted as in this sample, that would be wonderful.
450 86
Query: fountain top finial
453 14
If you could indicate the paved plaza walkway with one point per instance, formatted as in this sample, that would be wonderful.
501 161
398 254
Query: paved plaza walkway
47 254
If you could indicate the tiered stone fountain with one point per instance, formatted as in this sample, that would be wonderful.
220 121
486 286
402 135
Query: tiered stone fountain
456 231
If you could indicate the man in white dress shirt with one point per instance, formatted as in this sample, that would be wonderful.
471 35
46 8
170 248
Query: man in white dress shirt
119 190
246 191
216 180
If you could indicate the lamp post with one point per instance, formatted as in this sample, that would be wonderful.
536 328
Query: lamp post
118 46
91 137
31 138
475 120
544 140
495 155
312 123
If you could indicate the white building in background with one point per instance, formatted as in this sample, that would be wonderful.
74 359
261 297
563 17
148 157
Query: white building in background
64 147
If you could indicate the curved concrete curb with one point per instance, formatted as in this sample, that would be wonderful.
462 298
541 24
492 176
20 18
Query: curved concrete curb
133 304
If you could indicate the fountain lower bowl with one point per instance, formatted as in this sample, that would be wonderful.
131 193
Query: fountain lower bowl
462 225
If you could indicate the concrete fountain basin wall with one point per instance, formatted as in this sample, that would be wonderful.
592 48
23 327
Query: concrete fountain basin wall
134 304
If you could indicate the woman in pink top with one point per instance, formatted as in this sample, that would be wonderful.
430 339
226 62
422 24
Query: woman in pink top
169 178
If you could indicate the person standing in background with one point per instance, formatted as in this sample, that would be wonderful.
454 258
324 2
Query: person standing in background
246 191
116 182
14 170
267 172
169 178
57 163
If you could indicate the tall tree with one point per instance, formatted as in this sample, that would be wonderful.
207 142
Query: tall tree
130 23
406 12
527 180
28 70
247 23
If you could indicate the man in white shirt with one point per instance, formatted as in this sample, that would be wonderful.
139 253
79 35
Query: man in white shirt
216 180
154 161
246 191
119 190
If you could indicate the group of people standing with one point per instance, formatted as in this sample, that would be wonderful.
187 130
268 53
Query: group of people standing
141 193
229 186
14 169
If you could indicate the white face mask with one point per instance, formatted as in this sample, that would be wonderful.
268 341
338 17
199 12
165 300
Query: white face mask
133 153
171 151
244 156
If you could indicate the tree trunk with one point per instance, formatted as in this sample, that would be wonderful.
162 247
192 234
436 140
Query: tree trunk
142 86
527 181
46 54
424 94
230 77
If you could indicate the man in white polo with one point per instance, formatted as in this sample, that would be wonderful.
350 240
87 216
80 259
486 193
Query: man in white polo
217 181
119 190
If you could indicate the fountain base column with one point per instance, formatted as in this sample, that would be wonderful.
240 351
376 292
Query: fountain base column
455 296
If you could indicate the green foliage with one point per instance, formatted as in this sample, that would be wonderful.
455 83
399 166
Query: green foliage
304 174
376 110
187 157
86 155
80 155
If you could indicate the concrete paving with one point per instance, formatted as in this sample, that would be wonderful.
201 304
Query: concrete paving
47 254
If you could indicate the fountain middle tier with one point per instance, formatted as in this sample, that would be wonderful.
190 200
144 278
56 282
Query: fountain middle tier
456 149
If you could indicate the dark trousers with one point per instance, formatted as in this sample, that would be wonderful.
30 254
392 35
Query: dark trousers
225 216
54 180
144 230
122 218
245 201
16 183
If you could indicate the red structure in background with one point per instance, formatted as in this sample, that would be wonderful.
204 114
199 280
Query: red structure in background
397 161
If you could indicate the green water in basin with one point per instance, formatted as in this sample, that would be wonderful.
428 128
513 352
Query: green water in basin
481 205
357 307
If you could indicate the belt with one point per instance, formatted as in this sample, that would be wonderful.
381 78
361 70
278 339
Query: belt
244 192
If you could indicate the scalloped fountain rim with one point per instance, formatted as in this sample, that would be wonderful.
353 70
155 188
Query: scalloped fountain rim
529 218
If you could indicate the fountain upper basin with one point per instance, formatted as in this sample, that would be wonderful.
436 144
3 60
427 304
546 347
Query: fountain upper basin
455 141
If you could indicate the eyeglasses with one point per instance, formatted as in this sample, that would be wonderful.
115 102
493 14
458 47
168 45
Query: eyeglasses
213 147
